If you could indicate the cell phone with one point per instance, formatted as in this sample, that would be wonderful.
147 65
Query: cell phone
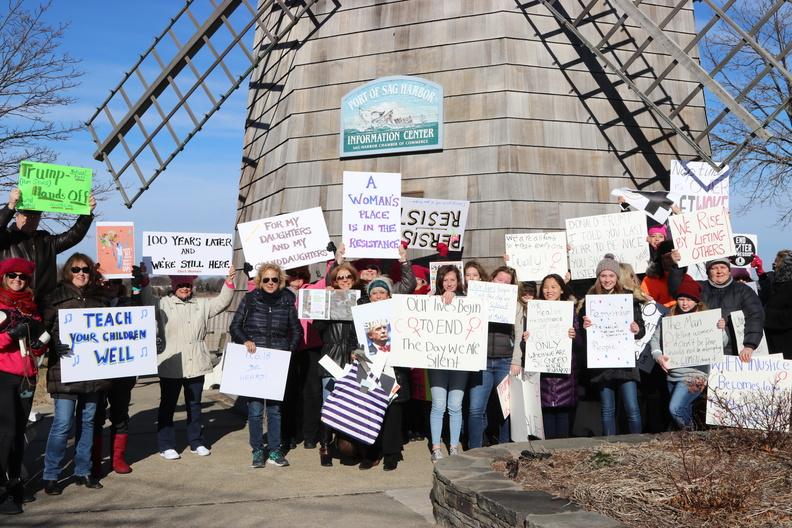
26 394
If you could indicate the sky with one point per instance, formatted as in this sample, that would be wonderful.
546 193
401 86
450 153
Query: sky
198 190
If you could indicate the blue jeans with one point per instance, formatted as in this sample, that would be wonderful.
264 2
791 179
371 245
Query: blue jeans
448 389
481 385
59 436
628 390
256 423
169 396
681 404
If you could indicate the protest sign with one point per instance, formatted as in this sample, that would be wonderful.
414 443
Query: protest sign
115 249
699 185
501 299
536 255
369 316
54 188
371 203
746 247
326 304
693 339
108 343
259 375
738 324
289 240
610 342
548 348
702 235
428 333
434 266
651 318
504 396
525 407
750 394
591 237
188 253
655 204
425 222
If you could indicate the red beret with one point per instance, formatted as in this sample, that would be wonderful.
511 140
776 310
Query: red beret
17 265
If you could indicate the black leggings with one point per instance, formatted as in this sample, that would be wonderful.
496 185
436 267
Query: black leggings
118 397
14 412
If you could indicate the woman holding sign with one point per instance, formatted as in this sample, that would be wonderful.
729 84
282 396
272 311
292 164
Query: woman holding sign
613 380
80 287
447 386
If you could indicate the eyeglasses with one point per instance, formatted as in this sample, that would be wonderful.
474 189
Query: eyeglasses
84 269
20 276
267 280
343 277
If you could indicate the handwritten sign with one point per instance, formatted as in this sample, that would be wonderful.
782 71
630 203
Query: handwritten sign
188 253
693 339
591 237
288 240
259 375
426 222
327 304
549 348
504 396
434 266
536 255
369 315
525 405
427 333
746 247
371 214
702 235
699 185
742 393
115 249
738 323
108 343
501 299
651 318
610 342
54 188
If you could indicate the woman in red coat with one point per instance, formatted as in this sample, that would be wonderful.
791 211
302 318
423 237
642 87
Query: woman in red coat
20 340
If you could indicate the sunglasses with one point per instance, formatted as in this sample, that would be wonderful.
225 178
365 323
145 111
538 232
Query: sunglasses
84 269
343 277
20 276
267 280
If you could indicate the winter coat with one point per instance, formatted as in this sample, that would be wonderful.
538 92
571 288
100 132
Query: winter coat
730 298
67 296
561 390
185 354
662 285
268 324
11 360
40 247
778 319
339 341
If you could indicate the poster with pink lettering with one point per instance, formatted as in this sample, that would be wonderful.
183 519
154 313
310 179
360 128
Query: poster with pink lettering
702 235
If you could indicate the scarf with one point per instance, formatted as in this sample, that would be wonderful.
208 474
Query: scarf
721 286
270 299
20 300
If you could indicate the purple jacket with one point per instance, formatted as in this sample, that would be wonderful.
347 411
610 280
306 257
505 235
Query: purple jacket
560 390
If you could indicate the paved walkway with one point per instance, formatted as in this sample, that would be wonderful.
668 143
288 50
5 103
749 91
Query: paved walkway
222 490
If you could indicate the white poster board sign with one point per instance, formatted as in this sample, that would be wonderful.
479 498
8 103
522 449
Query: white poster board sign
434 266
699 185
188 253
738 323
741 393
428 333
702 235
525 406
655 204
536 255
548 348
591 237
693 339
370 317
289 240
259 375
425 222
326 304
501 299
610 343
504 396
371 207
108 343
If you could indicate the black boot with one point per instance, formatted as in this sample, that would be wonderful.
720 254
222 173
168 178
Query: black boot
390 462
88 481
20 493
324 457
51 487
8 506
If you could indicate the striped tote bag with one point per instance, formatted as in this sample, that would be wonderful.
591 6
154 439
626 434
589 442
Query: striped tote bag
354 412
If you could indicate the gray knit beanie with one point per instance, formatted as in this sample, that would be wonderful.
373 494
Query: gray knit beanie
609 263
722 260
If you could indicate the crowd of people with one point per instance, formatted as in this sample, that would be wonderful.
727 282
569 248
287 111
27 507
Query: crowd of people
31 295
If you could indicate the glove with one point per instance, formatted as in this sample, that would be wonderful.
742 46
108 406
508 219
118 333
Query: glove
140 278
62 350
331 247
20 331
247 268
758 264
442 249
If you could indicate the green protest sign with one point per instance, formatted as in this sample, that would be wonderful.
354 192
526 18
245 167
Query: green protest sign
54 188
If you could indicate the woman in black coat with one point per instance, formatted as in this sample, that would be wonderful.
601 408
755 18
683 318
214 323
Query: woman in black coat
778 311
267 318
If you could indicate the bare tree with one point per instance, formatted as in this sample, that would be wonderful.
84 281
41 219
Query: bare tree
35 78
764 168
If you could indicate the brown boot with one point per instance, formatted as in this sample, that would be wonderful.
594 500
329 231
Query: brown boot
96 456
119 450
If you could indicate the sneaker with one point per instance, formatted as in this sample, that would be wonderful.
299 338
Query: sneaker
453 450
258 458
276 458
201 451
437 454
170 454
